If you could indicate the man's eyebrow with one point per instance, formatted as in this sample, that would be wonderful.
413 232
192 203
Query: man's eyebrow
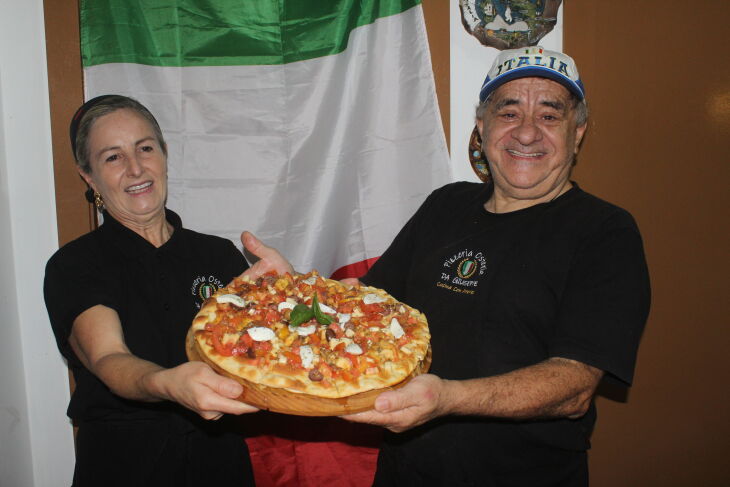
557 105
506 102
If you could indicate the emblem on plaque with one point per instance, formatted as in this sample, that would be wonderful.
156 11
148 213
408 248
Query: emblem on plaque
509 24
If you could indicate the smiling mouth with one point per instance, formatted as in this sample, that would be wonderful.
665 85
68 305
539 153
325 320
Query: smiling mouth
138 188
517 153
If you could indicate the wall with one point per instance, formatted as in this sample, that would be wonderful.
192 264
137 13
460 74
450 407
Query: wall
35 437
658 83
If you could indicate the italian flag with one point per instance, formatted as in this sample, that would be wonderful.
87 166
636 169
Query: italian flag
312 123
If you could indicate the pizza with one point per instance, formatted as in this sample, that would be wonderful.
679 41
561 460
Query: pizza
304 344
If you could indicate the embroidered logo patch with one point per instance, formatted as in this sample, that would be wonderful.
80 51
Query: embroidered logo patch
461 271
203 287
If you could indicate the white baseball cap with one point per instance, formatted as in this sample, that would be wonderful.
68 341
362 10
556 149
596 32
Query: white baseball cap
534 61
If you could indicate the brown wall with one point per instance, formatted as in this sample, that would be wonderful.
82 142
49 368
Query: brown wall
658 85
75 215
659 92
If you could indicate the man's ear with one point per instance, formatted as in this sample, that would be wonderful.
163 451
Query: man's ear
579 133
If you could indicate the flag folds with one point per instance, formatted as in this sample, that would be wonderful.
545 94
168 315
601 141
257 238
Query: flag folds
313 124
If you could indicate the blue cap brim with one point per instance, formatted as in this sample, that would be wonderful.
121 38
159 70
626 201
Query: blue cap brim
575 87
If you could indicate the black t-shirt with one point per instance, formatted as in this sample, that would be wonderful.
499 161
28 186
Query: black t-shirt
156 293
566 279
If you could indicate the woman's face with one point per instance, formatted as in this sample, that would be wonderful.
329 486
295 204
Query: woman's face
128 167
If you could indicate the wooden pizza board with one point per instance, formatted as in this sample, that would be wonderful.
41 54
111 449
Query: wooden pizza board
299 404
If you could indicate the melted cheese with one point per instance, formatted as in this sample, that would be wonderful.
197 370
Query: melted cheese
307 356
261 333
233 299
395 329
372 298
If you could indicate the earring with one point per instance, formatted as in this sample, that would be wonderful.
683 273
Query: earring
477 159
98 201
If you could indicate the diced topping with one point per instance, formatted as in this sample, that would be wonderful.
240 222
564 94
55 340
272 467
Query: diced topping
310 280
233 299
372 298
395 329
307 356
354 349
315 375
343 318
260 333
330 334
230 338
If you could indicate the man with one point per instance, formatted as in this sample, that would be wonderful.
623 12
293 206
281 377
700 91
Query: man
534 290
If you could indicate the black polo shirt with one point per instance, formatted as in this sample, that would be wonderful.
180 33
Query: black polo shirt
566 278
156 292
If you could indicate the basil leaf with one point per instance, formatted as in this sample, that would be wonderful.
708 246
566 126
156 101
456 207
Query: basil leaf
321 317
300 314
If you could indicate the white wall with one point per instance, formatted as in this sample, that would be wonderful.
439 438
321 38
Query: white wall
36 444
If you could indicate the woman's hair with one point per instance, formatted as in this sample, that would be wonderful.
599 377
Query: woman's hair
96 108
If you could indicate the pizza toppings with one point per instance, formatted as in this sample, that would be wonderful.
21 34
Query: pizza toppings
307 356
303 330
372 298
234 299
353 348
310 333
395 329
260 333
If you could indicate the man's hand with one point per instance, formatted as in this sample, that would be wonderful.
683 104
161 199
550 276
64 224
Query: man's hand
197 387
421 400
269 258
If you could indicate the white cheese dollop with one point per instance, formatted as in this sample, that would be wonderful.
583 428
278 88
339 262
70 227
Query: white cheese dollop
261 333
343 318
354 349
307 356
326 309
310 280
395 329
234 299
288 304
303 330
372 298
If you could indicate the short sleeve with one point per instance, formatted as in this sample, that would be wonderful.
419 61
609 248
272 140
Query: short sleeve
606 301
388 272
71 286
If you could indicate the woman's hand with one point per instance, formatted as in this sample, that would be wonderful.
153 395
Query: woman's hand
269 258
197 387
419 401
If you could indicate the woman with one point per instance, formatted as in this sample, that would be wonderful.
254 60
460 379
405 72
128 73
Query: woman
121 299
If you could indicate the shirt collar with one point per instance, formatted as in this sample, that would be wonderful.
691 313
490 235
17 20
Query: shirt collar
133 245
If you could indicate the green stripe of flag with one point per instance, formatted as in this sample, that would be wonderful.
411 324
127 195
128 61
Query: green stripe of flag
223 32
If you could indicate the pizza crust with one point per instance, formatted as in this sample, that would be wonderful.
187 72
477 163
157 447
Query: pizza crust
283 401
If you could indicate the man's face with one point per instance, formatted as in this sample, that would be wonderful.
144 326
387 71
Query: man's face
530 137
